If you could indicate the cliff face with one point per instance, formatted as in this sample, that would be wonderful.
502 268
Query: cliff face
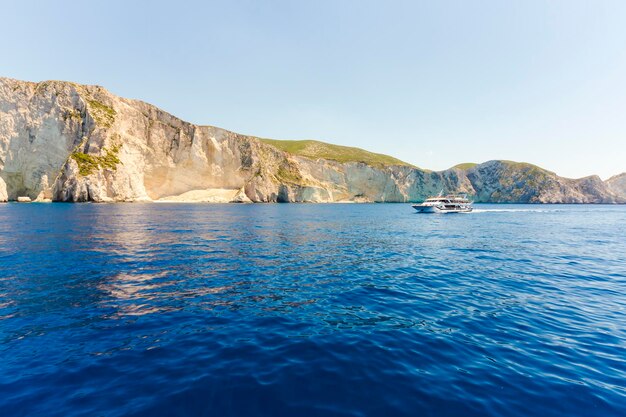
617 184
509 182
68 142
3 191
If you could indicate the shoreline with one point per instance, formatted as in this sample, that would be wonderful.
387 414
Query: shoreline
238 203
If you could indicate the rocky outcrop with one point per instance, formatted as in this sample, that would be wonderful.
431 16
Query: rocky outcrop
3 191
617 185
511 182
68 142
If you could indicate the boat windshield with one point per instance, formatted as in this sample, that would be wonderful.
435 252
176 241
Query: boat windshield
456 199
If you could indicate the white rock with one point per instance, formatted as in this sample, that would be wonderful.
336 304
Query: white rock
210 195
56 143
3 191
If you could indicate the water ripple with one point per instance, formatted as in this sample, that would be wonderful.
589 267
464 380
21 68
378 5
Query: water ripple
316 310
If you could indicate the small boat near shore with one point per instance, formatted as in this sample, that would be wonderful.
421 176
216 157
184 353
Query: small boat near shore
452 203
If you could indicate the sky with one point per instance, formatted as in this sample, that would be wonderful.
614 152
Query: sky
434 83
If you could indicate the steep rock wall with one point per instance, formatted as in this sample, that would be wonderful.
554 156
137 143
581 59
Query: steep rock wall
617 185
70 142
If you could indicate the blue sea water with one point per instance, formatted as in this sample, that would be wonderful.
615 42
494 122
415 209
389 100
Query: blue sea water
312 310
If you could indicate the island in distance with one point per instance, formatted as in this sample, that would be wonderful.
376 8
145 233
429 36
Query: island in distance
62 141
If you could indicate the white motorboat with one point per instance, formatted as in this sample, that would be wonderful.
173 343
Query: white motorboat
453 203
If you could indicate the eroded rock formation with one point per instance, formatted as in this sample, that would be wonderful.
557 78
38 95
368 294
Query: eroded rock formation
69 142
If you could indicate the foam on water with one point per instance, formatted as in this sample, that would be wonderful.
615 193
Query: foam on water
516 210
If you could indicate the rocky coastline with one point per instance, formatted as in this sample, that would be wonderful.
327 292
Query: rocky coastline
61 141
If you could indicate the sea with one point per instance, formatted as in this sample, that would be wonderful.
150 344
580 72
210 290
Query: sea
312 310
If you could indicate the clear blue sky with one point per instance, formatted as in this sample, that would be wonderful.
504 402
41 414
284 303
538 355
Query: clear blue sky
434 83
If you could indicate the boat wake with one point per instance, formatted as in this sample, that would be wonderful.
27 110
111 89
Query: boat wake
516 210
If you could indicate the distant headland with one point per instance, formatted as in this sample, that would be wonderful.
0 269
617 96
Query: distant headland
61 141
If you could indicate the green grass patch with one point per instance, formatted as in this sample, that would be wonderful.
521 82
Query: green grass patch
319 150
88 164
102 114
465 166
289 175
521 165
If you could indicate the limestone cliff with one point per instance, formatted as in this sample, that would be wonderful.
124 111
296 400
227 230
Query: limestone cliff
617 184
3 191
68 142
509 182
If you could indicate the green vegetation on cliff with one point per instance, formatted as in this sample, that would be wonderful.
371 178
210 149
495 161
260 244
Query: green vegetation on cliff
465 166
521 165
101 113
88 164
313 149
289 174
73 114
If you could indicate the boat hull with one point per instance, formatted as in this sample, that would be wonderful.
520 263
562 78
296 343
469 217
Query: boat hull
434 209
426 209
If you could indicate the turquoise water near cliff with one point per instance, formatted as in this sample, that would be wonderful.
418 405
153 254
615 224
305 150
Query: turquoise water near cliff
320 310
